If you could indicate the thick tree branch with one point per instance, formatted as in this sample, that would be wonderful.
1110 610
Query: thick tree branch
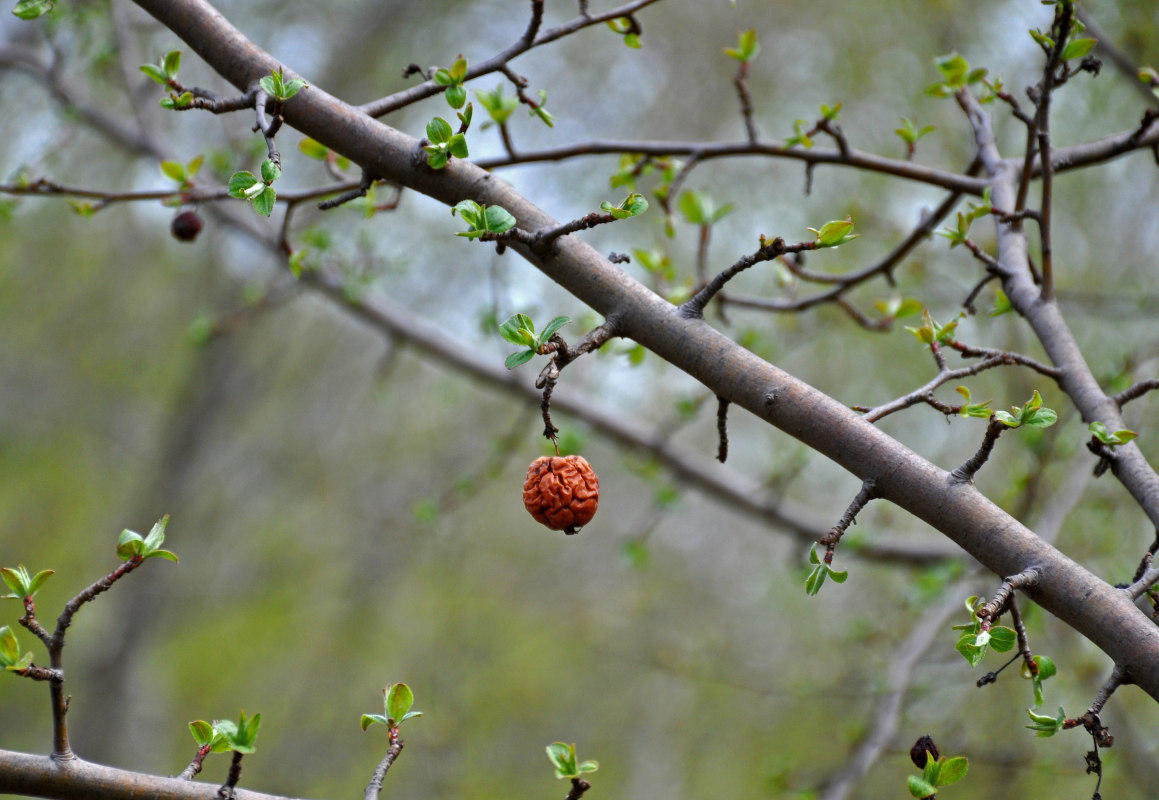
42 776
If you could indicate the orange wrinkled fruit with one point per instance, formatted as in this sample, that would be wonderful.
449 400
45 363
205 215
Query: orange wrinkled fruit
561 492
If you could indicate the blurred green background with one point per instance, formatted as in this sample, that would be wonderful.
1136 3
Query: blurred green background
346 508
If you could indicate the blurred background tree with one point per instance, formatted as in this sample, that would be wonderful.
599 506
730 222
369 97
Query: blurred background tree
346 504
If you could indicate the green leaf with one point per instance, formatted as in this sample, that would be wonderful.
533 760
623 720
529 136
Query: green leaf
399 699
834 233
1003 639
171 64
156 536
470 211
552 327
633 205
515 359
272 85
155 73
240 183
129 544
31 9
270 171
313 149
443 77
519 330
815 580
373 719
1044 726
265 200
838 576
1121 436
456 96
1006 419
588 766
202 732
1077 48
952 770
919 788
497 219
1046 667
293 87
439 131
437 157
39 579
10 656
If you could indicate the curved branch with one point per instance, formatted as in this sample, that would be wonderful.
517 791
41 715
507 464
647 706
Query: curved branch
704 151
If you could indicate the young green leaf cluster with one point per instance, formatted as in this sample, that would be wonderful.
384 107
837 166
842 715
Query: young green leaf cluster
633 205
225 735
444 143
1046 726
629 29
976 639
520 330
1032 414
164 72
820 572
931 332
23 583
910 133
1077 45
563 758
981 410
397 700
259 191
133 546
277 87
959 234
453 79
498 105
482 219
182 173
956 75
746 48
1121 436
699 208
938 772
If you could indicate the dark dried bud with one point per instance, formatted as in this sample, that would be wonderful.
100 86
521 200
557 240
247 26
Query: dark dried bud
185 226
561 492
918 752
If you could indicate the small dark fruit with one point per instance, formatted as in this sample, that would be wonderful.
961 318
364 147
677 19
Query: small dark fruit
185 226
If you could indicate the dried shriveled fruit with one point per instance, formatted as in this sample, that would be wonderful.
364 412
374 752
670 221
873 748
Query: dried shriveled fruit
561 492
